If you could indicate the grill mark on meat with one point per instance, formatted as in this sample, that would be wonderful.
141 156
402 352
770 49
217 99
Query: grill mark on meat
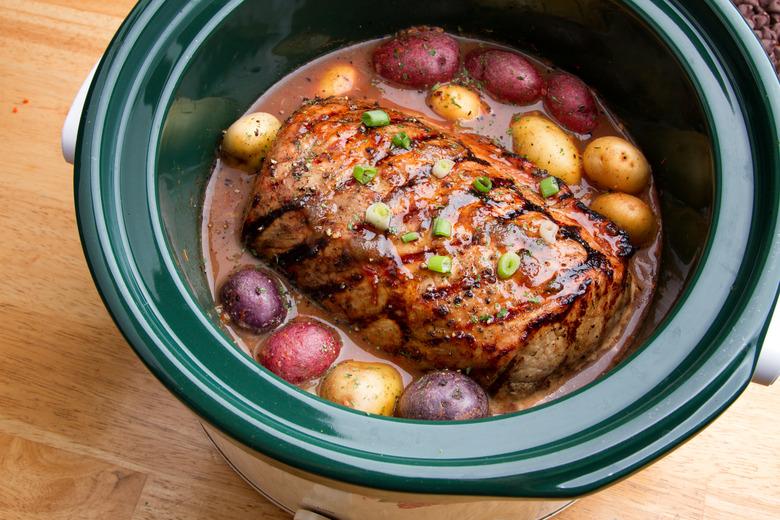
328 290
300 253
252 229
470 157
625 249
595 259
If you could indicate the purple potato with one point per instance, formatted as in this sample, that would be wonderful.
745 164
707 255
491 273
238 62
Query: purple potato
570 101
300 351
253 300
418 57
506 75
443 395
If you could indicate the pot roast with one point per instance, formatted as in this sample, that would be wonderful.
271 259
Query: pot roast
307 218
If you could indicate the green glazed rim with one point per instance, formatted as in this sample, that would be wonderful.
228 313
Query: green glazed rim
695 364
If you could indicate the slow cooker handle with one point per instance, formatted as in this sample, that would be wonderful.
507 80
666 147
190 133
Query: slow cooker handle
70 129
768 364
767 367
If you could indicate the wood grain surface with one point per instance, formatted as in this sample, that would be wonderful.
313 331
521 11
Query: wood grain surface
85 430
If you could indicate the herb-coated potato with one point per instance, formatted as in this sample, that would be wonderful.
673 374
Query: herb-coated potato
570 101
418 57
629 213
507 75
300 351
253 299
455 102
337 80
247 141
368 387
443 395
548 146
615 164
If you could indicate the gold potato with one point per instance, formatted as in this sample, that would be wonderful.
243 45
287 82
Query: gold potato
615 164
548 146
247 141
630 214
455 102
368 387
337 80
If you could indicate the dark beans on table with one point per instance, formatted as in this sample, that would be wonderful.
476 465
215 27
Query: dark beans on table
763 16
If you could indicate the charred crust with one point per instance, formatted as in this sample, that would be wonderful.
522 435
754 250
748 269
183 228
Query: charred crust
254 227
326 291
300 253
624 247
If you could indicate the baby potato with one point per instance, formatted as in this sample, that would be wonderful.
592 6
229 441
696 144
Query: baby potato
615 164
247 141
368 387
548 146
629 213
418 57
337 80
455 102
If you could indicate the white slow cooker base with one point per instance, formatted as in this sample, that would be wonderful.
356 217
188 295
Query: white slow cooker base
295 492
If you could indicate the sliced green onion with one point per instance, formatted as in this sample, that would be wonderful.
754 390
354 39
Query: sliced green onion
442 227
401 140
410 237
363 174
482 184
379 215
375 118
508 265
440 264
442 168
549 187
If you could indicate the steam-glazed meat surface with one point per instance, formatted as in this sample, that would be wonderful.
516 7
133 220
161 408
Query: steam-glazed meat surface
307 218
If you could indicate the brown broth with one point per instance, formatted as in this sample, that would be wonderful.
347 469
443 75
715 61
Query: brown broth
229 189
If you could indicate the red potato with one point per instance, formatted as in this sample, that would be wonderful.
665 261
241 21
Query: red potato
507 75
571 102
475 63
300 351
418 57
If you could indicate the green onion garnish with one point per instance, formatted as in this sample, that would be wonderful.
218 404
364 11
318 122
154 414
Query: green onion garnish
482 184
442 227
508 265
549 187
378 215
375 118
363 174
440 264
401 140
410 237
442 168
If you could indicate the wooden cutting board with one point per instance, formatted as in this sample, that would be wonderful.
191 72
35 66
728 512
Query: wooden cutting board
87 433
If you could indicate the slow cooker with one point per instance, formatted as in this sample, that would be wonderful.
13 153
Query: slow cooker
689 80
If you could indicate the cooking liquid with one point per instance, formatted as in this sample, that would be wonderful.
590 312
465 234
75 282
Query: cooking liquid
228 192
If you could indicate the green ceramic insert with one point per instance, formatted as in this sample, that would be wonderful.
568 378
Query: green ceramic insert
691 83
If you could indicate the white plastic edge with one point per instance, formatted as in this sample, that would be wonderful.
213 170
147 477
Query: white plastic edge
305 514
768 365
70 129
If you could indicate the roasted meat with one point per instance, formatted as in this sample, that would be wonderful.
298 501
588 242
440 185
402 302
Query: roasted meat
307 218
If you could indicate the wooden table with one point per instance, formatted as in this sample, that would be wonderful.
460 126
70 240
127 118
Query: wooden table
87 433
